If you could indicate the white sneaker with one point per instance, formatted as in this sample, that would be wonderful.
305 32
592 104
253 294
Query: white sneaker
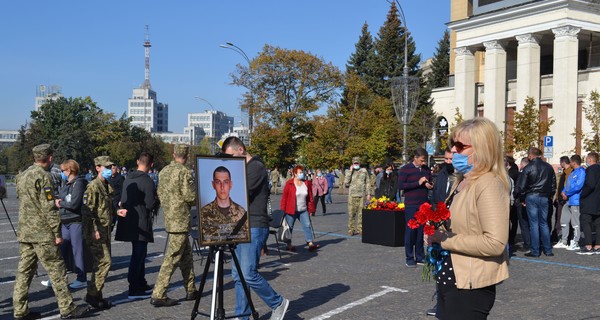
78 284
573 247
279 312
560 245
47 283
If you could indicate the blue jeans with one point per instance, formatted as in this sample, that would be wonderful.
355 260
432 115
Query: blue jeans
248 255
305 220
328 195
537 212
136 276
73 233
413 238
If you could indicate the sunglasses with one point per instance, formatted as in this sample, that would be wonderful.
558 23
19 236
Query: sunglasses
460 147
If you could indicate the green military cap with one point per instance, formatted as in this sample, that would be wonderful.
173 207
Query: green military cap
356 160
41 151
103 161
181 150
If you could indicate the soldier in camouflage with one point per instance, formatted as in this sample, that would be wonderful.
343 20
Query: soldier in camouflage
274 180
357 179
98 212
223 220
177 195
39 236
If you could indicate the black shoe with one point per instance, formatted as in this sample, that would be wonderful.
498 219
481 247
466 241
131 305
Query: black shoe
529 254
30 316
147 288
78 312
98 302
431 312
524 249
166 302
549 254
192 295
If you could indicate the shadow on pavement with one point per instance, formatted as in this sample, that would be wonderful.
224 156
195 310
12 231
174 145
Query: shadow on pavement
315 297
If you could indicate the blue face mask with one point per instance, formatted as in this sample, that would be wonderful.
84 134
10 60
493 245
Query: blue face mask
301 175
319 174
106 174
356 167
64 176
461 164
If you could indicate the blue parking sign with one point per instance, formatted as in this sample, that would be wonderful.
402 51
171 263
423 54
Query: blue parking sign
548 141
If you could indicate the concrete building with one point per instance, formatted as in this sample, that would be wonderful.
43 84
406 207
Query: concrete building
45 93
214 123
8 137
143 107
241 131
503 51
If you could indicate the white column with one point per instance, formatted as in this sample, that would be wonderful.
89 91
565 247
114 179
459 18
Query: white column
528 69
494 105
464 82
564 85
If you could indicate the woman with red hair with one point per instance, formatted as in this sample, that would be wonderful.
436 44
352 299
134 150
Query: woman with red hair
297 202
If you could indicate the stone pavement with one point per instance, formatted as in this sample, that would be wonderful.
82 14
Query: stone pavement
344 279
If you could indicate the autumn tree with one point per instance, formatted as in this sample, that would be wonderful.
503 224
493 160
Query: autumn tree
528 129
591 140
286 86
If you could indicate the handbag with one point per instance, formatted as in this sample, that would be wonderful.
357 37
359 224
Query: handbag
283 233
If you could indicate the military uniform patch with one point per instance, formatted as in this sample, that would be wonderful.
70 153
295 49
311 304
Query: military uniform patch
49 194
85 199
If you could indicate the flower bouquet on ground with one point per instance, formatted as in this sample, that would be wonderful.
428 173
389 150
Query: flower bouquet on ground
384 203
431 220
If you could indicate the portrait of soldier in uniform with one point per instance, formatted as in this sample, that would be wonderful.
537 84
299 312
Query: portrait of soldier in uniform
223 221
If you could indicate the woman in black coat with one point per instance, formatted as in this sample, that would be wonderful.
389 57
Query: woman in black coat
388 186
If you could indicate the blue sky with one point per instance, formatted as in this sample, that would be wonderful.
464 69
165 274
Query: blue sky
94 48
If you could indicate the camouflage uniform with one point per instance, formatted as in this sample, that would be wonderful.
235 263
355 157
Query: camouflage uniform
177 195
274 180
39 227
98 212
217 227
359 187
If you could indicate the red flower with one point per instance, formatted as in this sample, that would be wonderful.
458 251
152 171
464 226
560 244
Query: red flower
428 229
413 224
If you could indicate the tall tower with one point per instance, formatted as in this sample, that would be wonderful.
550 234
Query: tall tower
147 46
143 107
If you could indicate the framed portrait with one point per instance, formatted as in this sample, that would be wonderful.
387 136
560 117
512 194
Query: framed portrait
222 196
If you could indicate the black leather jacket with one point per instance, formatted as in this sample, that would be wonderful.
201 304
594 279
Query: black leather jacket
537 177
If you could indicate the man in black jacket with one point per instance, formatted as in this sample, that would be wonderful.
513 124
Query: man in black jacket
140 200
248 254
537 185
444 180
589 205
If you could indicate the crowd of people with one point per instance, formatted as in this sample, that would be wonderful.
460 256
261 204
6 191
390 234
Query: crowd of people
488 194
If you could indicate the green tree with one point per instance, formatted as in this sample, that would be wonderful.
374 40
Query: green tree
440 64
286 86
365 52
528 129
389 54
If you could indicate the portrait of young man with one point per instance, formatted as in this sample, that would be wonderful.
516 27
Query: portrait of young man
223 220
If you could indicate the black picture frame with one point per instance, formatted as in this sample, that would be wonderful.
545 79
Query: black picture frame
216 227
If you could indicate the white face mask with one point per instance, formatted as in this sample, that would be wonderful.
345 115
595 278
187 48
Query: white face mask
356 167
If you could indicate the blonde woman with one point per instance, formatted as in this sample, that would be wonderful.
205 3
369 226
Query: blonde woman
478 235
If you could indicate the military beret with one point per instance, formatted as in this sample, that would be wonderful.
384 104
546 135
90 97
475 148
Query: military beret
181 150
103 161
42 151
356 160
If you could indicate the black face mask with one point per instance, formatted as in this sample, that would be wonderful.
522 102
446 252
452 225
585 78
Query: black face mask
449 168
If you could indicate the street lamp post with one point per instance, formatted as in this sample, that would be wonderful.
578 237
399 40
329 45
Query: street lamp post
231 46
405 91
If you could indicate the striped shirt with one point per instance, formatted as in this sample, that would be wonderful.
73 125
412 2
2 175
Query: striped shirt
408 180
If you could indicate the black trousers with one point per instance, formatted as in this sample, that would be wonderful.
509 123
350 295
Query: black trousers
588 223
461 304
322 198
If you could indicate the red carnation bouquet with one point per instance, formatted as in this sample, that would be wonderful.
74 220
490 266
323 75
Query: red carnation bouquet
431 220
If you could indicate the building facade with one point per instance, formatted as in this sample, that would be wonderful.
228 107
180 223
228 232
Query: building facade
504 51
45 93
145 111
214 123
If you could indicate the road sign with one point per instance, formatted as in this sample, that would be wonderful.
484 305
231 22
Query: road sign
548 141
548 151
